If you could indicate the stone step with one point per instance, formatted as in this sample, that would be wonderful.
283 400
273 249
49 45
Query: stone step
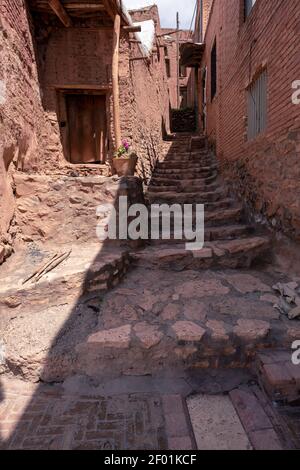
277 374
183 339
189 158
205 172
214 218
90 267
238 253
186 198
226 215
170 165
210 207
229 232
183 188
176 180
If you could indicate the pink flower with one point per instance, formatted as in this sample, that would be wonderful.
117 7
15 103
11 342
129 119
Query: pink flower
125 144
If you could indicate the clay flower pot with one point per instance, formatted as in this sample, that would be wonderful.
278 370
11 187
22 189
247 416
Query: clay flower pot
125 166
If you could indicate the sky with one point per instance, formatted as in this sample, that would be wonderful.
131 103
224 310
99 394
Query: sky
168 9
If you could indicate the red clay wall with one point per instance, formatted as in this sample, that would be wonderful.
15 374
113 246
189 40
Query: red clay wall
170 44
266 170
83 56
21 116
31 71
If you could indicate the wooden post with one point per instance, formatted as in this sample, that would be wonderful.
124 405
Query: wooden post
115 79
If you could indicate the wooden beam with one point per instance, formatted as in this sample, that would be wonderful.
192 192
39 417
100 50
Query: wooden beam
60 11
132 29
115 80
109 9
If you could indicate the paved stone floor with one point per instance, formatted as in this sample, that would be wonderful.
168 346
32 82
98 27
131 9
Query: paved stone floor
154 320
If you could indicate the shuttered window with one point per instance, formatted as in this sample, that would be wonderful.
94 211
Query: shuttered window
257 105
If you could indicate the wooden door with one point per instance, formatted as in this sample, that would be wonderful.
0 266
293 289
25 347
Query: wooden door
87 126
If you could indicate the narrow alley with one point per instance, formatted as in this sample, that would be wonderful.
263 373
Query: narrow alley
138 343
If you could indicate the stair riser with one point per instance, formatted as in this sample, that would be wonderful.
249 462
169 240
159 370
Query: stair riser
184 166
185 174
211 224
186 199
185 190
209 207
197 182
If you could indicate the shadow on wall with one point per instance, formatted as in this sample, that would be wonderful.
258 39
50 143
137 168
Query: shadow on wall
70 353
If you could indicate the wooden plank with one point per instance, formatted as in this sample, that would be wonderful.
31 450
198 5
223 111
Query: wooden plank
132 29
115 80
60 11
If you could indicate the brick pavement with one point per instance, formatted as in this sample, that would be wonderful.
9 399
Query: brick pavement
46 418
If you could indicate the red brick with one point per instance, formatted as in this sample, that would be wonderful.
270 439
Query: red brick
265 440
250 411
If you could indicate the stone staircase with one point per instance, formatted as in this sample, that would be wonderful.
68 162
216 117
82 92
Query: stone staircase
188 174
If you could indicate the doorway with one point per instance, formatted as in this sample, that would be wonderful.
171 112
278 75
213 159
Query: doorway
87 128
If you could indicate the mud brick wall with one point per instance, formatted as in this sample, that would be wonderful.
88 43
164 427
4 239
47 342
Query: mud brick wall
63 209
266 170
80 56
144 97
21 114
37 56
171 49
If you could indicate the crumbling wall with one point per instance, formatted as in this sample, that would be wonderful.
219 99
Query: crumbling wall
265 171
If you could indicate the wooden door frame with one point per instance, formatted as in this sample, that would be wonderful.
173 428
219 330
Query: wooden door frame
62 114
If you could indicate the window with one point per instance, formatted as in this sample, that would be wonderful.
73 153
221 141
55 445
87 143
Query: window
257 105
168 68
213 65
183 72
248 5
183 96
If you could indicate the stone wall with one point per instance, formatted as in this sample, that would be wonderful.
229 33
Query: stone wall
63 209
265 171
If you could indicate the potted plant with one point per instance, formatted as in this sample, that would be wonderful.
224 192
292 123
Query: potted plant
124 160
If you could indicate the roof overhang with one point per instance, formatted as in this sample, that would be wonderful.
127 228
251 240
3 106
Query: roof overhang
67 10
191 53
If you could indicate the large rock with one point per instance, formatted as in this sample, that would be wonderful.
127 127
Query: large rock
252 330
188 331
202 288
148 335
245 283
218 330
116 338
